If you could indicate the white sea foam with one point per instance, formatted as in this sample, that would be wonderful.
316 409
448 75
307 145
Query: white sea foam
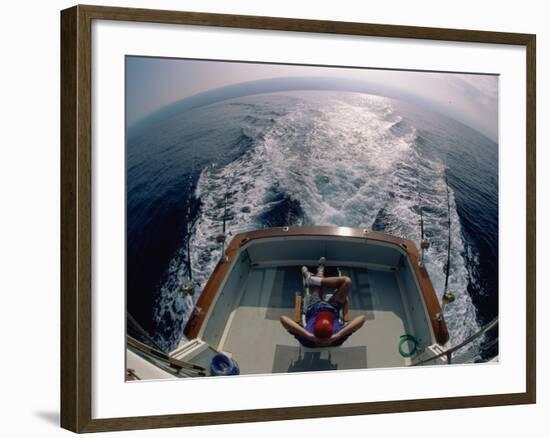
334 156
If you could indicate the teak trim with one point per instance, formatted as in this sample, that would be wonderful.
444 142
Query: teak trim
76 224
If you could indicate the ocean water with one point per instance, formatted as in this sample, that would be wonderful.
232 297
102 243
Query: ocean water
308 157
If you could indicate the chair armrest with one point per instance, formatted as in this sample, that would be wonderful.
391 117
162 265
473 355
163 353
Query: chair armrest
298 308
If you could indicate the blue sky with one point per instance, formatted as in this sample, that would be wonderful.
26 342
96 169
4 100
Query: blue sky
152 83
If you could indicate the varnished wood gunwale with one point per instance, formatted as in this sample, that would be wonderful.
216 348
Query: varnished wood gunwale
213 285
76 234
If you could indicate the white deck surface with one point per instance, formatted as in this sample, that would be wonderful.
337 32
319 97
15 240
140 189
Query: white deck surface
260 344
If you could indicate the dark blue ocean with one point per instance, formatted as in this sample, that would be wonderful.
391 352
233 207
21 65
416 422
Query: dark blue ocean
307 157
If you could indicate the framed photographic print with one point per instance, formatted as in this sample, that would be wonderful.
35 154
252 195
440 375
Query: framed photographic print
255 209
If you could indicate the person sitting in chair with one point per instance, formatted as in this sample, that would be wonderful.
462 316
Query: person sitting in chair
323 327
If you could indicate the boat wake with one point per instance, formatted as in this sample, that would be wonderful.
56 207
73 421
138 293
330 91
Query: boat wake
344 159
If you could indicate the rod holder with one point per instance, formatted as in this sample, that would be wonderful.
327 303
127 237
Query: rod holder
188 289
221 238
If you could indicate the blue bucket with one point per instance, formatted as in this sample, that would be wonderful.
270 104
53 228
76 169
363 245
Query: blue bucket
222 365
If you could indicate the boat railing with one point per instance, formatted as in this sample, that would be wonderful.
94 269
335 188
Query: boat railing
141 343
470 354
165 361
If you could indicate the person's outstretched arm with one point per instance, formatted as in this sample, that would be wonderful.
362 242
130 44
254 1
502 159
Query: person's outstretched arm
354 325
295 328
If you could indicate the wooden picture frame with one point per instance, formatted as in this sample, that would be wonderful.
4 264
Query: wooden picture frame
76 217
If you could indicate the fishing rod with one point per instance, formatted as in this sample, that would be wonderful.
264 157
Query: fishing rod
188 237
424 244
189 269
189 287
224 212
448 268
421 222
448 296
222 237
